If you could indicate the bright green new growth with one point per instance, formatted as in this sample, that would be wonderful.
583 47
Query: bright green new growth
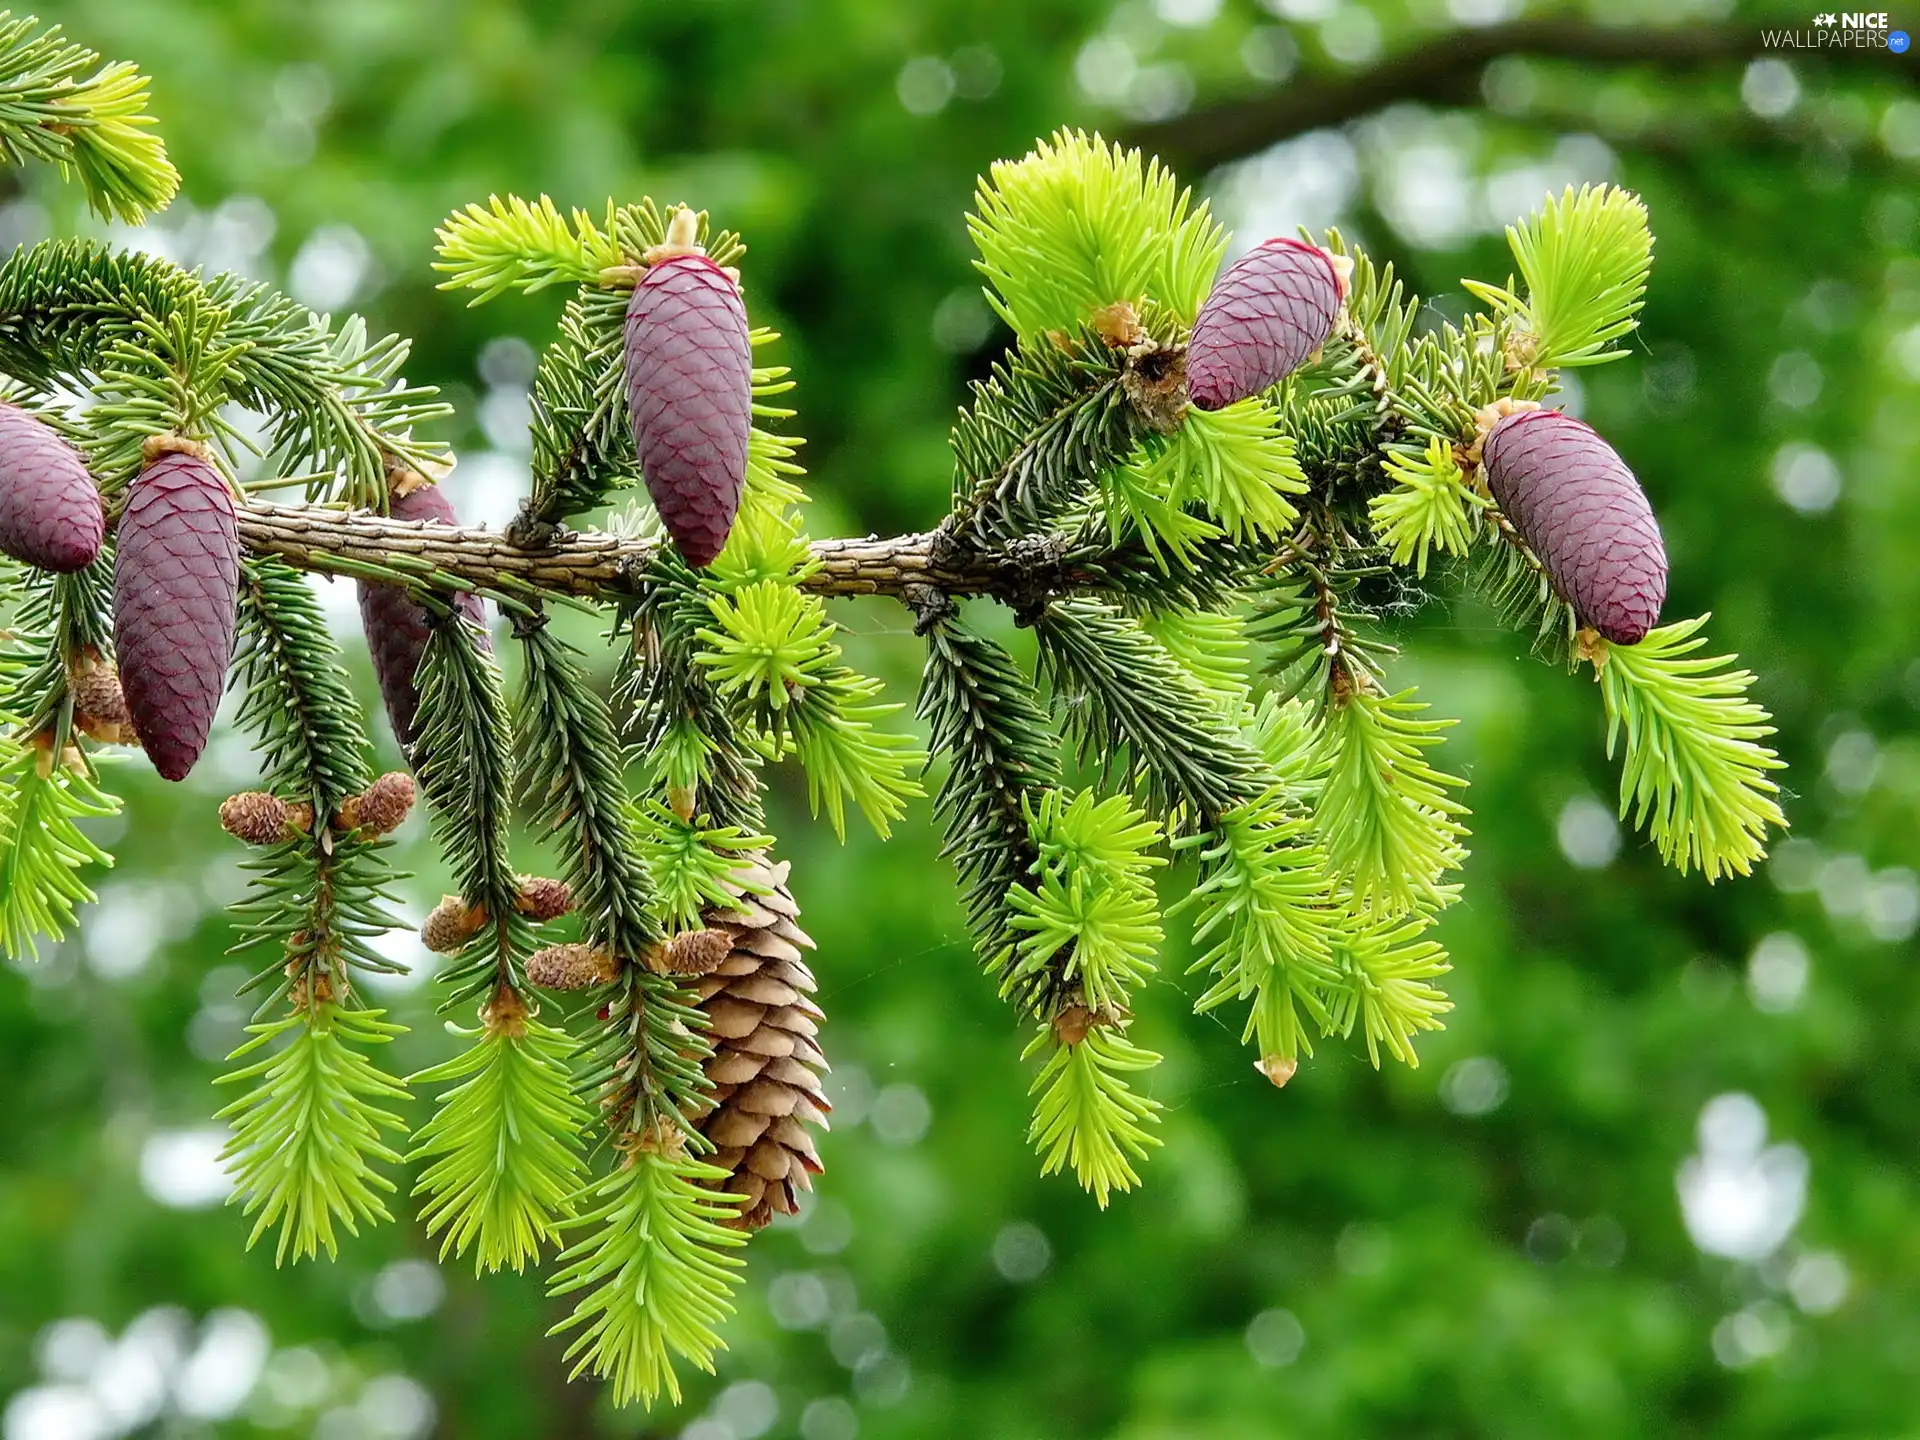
1266 914
1092 898
1585 258
56 106
1387 816
1430 511
1696 775
514 244
658 1272
305 1136
1079 225
692 864
43 849
1204 593
1086 1115
503 1149
1223 472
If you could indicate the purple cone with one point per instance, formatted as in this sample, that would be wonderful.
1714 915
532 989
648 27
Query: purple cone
49 509
397 625
1268 311
690 392
176 571
1578 507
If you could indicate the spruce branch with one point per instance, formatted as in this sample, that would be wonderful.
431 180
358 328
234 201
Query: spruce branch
1003 754
695 866
1264 926
503 1148
1387 817
59 104
294 694
571 775
772 651
1046 421
515 244
683 725
1086 1114
465 760
42 847
655 1273
47 787
309 1127
1078 225
1431 509
1695 774
319 898
1129 704
582 449
1585 257
1387 964
1089 915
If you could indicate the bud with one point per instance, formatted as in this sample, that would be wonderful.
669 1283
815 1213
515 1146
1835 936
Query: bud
381 808
690 397
692 952
99 707
262 819
572 967
542 899
450 924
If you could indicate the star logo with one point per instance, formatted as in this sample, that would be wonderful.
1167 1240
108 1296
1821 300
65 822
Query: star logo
1827 19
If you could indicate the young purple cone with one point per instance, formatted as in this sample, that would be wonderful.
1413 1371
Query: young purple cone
176 571
50 512
1268 311
1578 507
397 625
690 392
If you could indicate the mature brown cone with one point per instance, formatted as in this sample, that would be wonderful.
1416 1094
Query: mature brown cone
766 1065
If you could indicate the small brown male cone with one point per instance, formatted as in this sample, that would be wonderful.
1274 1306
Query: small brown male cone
766 1065
99 707
381 808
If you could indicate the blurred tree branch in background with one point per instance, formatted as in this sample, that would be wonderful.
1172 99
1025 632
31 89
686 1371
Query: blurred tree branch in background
1447 71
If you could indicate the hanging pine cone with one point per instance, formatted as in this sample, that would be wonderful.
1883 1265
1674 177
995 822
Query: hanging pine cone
1578 507
766 1066
50 512
1268 311
176 572
690 392
397 625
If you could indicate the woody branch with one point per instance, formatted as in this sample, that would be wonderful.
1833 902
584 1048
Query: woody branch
331 541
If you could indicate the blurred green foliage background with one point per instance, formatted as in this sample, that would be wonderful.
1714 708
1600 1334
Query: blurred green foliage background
1658 1175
